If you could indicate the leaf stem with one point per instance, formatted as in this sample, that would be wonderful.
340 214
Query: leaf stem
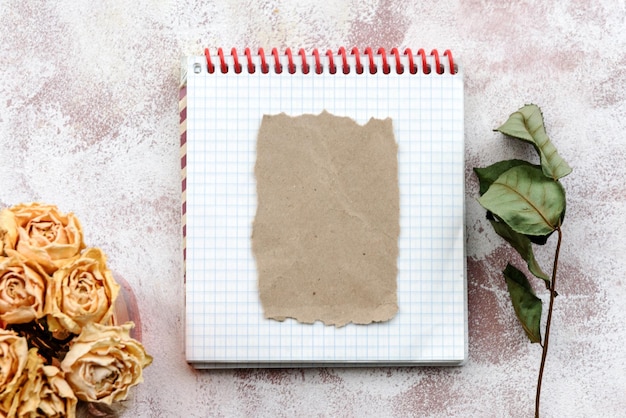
549 321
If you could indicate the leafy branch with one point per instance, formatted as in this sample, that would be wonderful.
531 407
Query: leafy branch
525 204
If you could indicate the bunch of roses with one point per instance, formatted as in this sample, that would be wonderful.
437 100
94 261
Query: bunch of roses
58 340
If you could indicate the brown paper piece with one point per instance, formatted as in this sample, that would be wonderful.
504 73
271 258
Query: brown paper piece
325 235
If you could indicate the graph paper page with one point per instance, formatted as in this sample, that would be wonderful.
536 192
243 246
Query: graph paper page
225 326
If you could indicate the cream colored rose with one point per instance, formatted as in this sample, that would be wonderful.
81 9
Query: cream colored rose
44 392
13 358
56 396
42 233
104 362
22 290
82 291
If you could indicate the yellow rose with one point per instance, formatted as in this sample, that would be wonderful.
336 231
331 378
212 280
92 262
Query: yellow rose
56 396
41 233
22 290
82 291
43 392
104 362
13 357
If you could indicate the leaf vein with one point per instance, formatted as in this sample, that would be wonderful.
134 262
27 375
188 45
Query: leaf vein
530 203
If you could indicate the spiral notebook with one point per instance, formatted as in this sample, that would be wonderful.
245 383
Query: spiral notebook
223 98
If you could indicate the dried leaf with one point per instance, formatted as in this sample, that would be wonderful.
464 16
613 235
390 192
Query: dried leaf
526 200
527 306
527 125
523 246
487 175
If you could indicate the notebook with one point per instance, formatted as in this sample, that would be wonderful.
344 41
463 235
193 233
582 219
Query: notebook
223 97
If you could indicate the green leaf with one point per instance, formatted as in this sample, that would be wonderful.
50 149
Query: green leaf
527 124
529 202
527 306
523 246
535 239
487 175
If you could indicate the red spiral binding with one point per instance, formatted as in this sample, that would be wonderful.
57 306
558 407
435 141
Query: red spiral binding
438 66
223 65
448 53
425 65
305 66
331 64
251 66
359 67
386 68
209 64
399 66
332 68
412 66
278 68
291 67
369 52
345 66
264 67
318 65
233 53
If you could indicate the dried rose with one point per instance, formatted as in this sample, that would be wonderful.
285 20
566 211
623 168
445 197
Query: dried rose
13 357
22 290
56 396
104 362
42 233
83 291
43 392
8 230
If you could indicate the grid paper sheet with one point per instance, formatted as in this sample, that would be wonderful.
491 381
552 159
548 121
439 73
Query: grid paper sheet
225 326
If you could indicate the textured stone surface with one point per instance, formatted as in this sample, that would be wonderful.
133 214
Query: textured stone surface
89 121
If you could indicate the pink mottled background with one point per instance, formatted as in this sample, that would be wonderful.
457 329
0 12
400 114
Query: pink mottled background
89 121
